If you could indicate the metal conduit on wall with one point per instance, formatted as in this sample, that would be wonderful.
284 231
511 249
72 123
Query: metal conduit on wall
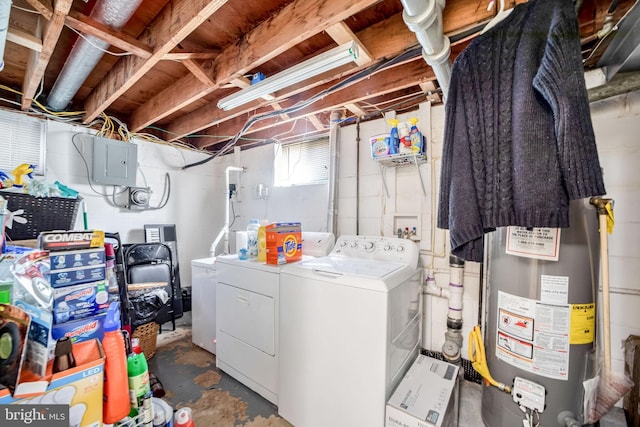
86 52
425 19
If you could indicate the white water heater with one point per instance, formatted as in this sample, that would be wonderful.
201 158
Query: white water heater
540 318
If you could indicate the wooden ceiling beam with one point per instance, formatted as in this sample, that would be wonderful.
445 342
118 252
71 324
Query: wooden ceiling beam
180 56
296 22
44 9
315 121
38 61
198 72
175 22
24 39
355 109
341 34
393 30
381 83
123 41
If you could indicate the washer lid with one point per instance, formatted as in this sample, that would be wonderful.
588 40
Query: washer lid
352 266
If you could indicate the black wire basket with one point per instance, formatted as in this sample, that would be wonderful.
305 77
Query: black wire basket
41 213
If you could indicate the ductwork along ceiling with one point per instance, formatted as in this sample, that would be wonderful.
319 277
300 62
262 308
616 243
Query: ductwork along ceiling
160 67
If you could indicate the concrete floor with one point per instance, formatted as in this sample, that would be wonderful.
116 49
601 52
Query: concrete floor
191 379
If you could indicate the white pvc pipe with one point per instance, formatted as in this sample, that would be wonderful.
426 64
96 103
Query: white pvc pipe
224 232
456 291
424 17
5 11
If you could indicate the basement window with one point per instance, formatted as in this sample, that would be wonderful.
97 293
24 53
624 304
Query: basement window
22 139
302 163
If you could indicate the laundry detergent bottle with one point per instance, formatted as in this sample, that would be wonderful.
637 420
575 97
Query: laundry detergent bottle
262 241
116 387
252 238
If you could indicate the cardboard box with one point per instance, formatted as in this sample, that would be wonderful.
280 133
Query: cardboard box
284 242
81 387
80 301
426 396
74 276
70 240
77 258
81 330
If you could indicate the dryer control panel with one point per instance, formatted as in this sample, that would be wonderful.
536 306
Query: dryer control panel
388 249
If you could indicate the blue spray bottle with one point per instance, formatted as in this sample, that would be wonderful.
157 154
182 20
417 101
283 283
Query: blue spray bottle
394 139
417 141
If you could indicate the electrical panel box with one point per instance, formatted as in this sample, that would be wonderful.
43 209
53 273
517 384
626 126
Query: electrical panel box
114 162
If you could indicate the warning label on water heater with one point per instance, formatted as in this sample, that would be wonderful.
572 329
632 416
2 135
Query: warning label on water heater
538 243
533 335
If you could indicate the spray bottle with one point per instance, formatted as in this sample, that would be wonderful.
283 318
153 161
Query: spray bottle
394 139
19 172
417 143
116 388
139 387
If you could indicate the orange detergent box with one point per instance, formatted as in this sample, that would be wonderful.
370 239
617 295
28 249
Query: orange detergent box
284 242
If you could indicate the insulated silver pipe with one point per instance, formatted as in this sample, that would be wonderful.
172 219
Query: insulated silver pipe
86 52
424 17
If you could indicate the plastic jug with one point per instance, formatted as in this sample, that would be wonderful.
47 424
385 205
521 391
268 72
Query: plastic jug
252 238
262 242
116 388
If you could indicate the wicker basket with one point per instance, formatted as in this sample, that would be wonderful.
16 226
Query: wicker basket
148 336
41 213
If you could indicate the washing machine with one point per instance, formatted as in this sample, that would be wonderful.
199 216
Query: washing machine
247 316
350 327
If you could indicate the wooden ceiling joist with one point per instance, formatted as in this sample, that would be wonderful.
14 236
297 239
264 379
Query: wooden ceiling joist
175 22
381 83
341 34
355 109
198 72
44 9
22 38
296 22
38 61
399 38
123 41
315 121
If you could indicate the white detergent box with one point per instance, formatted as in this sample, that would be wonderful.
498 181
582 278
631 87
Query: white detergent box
426 396
79 301
78 258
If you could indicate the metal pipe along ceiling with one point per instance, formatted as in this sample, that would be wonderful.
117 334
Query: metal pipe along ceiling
424 17
86 52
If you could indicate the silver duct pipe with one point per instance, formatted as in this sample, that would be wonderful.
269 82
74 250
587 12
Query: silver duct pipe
86 53
332 188
424 17
5 11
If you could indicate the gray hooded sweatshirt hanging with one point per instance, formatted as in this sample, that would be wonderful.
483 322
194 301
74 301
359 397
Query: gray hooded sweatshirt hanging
519 142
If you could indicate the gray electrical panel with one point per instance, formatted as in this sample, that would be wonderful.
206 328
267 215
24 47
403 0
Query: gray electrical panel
114 162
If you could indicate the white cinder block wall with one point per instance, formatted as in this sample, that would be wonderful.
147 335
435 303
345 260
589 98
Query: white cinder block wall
197 202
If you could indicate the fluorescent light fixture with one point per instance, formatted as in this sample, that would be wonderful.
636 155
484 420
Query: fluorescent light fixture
326 61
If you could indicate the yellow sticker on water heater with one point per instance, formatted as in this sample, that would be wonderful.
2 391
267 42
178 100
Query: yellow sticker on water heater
583 323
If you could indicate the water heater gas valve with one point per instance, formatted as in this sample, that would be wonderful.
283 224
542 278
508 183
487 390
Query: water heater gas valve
528 394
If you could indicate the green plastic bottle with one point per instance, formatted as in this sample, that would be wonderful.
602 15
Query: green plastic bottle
139 387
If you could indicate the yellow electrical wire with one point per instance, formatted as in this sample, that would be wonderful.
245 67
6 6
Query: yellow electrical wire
53 113
478 358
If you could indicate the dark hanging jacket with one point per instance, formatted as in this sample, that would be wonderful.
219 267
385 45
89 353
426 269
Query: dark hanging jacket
518 141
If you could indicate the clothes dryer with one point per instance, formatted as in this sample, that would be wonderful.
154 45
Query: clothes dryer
350 327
